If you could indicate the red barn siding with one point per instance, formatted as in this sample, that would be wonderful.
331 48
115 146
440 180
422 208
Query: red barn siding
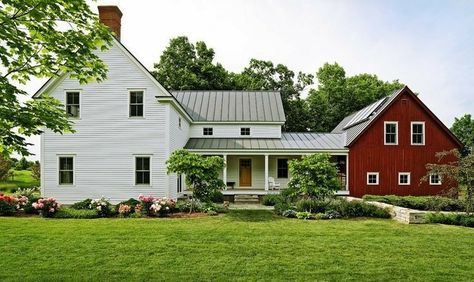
369 154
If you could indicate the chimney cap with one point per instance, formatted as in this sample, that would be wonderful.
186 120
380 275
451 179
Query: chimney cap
109 8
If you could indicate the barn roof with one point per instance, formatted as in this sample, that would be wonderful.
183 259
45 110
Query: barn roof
232 106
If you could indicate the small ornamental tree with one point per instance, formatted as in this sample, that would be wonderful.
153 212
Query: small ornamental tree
4 167
313 177
455 168
201 173
36 170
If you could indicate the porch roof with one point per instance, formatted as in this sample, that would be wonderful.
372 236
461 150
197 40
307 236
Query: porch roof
288 141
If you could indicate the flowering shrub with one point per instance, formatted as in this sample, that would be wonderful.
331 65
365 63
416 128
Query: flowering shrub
8 205
47 207
102 206
124 210
163 206
146 203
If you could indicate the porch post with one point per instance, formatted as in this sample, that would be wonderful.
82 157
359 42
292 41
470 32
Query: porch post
266 172
224 173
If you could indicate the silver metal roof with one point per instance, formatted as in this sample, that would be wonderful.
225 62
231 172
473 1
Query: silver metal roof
222 106
353 130
288 141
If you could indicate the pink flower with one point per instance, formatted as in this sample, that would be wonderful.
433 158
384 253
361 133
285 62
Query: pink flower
51 210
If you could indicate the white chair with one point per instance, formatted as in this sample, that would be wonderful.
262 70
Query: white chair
272 184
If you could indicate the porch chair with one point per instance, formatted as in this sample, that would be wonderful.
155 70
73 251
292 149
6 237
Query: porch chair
272 184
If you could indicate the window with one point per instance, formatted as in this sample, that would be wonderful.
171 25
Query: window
391 133
179 184
245 131
282 168
142 170
372 178
207 131
66 170
136 104
418 133
435 179
73 104
179 122
404 178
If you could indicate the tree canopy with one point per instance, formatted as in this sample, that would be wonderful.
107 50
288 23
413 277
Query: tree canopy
44 38
463 128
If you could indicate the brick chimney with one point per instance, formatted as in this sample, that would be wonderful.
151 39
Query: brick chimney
111 16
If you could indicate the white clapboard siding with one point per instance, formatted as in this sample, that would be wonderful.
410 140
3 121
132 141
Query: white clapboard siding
106 139
233 130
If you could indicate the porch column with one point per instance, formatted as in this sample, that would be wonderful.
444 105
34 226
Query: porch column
224 173
266 172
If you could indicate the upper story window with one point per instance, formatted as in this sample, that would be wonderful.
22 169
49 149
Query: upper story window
435 179
142 170
418 133
179 122
391 133
282 168
73 107
136 104
245 131
372 178
66 170
404 178
207 131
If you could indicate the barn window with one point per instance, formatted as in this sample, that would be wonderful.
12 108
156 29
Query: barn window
435 179
372 178
142 170
136 104
391 133
66 170
207 131
73 105
404 178
418 133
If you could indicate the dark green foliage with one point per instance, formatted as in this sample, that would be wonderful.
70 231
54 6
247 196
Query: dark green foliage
5 165
451 219
426 203
217 197
272 199
7 208
22 164
130 202
281 207
343 207
289 213
77 214
28 208
82 205
463 128
314 206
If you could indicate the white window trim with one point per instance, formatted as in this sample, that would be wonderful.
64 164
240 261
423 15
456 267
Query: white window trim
385 133
67 155
135 170
373 173
80 102
436 183
411 135
276 167
129 90
404 173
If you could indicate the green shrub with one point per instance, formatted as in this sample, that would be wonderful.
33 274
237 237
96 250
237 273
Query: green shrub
188 205
7 205
358 209
451 219
331 214
434 203
82 205
132 203
280 207
304 215
217 197
28 208
289 213
272 199
74 213
315 206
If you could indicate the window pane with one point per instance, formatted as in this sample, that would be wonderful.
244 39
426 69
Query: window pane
66 177
139 110
282 171
65 163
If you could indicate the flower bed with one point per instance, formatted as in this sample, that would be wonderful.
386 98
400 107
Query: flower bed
425 203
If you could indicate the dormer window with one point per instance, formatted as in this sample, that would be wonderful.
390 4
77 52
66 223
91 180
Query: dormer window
418 133
207 131
73 107
245 131
391 133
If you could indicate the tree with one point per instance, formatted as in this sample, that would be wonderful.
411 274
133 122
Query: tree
201 173
4 167
463 128
36 170
337 96
44 38
22 164
313 177
184 65
457 169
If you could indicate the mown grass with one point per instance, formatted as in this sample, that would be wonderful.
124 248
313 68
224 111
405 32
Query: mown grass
238 246
21 179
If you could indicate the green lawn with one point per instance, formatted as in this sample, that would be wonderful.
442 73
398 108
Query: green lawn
21 179
238 246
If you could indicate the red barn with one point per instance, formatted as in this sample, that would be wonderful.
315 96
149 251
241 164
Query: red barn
390 142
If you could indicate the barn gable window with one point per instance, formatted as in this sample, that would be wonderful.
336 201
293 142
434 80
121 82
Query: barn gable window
391 133
136 104
418 133
372 178
404 178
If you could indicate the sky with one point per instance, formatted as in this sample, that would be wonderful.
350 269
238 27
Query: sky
427 45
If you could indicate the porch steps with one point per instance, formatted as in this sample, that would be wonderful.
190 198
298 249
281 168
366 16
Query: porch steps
246 199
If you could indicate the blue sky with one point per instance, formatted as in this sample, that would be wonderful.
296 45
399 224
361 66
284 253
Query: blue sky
427 45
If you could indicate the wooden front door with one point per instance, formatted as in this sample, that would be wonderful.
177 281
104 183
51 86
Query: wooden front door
245 173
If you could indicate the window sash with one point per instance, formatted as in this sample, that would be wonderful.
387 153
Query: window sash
207 131
434 177
136 104
142 170
179 184
66 170
282 168
391 133
418 132
73 104
245 131
372 178
404 179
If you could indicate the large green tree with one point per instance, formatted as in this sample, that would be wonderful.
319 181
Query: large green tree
463 128
338 95
44 38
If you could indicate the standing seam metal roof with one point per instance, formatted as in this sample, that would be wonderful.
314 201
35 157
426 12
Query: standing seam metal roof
234 106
